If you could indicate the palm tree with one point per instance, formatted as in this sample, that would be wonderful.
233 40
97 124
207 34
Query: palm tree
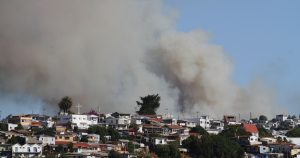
65 104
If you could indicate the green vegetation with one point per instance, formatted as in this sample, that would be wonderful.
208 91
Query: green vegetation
130 147
263 118
44 131
65 104
84 138
211 146
199 129
148 105
114 154
15 140
264 133
3 127
294 132
232 131
102 131
167 151
19 127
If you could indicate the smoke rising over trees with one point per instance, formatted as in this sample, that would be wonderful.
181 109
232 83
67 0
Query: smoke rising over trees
110 52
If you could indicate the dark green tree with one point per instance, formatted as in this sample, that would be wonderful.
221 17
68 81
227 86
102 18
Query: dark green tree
3 127
200 130
84 139
130 147
264 133
19 127
70 147
167 151
114 134
17 139
65 104
213 146
295 132
114 154
102 131
96 129
232 131
45 131
263 118
148 105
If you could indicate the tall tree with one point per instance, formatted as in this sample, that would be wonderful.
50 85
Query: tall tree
65 104
263 118
148 105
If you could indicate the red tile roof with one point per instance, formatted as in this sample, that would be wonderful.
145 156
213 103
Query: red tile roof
250 128
174 127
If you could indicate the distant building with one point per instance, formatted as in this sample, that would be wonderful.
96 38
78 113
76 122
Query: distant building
118 121
47 140
281 117
27 150
229 120
81 121
251 128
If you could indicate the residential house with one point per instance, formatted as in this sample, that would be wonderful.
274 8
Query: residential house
118 121
93 138
80 121
66 137
27 150
47 140
229 120
152 129
281 117
158 141
251 128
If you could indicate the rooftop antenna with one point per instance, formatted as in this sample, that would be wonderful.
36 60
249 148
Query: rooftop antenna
250 115
78 109
99 109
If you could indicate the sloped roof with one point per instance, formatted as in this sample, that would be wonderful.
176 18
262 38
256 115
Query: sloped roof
250 128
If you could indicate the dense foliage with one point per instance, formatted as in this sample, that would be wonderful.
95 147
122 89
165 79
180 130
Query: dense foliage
17 139
294 132
213 146
167 151
200 130
264 133
102 131
232 131
114 154
65 104
263 118
148 105
3 127
44 131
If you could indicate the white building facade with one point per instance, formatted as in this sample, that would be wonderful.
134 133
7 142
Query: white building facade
27 150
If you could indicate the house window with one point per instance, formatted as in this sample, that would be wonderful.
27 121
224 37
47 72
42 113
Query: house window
35 149
16 149
28 149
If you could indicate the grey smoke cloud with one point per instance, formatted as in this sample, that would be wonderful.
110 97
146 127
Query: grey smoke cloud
108 53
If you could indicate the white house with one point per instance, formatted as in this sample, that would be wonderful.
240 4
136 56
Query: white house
81 121
47 140
27 150
12 126
118 121
93 138
158 141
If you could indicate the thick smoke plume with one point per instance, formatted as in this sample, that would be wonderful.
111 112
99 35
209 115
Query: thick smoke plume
108 53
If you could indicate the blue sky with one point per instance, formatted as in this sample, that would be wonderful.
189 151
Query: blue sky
261 38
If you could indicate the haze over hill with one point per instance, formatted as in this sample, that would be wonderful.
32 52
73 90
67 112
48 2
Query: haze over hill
108 53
